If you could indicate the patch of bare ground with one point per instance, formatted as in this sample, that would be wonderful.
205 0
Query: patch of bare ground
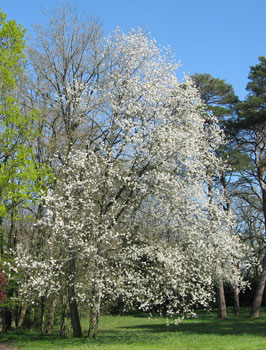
4 346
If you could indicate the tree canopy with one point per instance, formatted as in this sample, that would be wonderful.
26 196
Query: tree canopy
115 177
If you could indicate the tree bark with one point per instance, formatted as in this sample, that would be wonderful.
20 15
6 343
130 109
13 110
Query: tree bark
255 309
22 315
63 324
94 317
63 316
221 300
13 318
51 317
43 315
259 157
236 302
73 306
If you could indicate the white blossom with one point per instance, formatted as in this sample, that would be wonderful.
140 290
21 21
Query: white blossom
131 198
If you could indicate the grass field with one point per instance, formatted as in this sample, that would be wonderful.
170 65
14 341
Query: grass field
139 332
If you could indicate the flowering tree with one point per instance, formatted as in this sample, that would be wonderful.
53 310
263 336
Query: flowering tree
129 214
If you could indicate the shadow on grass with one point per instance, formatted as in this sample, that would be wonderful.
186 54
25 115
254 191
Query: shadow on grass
31 337
145 332
211 325
53 341
150 333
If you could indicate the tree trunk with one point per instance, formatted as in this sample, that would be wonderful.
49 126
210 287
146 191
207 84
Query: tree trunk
43 315
13 318
34 317
94 317
51 317
255 309
22 315
221 300
236 302
73 306
63 324
63 316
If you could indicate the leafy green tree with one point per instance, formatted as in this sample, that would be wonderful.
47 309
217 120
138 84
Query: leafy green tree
20 177
18 172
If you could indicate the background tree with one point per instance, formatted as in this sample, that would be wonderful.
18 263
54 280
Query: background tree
252 109
251 135
220 100
218 95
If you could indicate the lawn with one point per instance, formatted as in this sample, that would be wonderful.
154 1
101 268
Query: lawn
140 332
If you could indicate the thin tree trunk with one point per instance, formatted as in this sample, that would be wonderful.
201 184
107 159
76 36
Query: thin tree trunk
63 316
13 318
51 318
63 324
34 318
43 315
94 317
221 300
73 306
223 312
255 309
236 302
22 315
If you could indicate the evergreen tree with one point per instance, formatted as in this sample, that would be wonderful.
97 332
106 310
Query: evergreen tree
220 100
218 95
252 111
250 133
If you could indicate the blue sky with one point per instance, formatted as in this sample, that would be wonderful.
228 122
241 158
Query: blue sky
220 37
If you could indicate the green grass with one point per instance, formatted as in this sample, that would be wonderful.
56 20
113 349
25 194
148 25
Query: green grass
139 332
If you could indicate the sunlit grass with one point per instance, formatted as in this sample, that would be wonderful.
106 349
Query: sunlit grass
139 332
